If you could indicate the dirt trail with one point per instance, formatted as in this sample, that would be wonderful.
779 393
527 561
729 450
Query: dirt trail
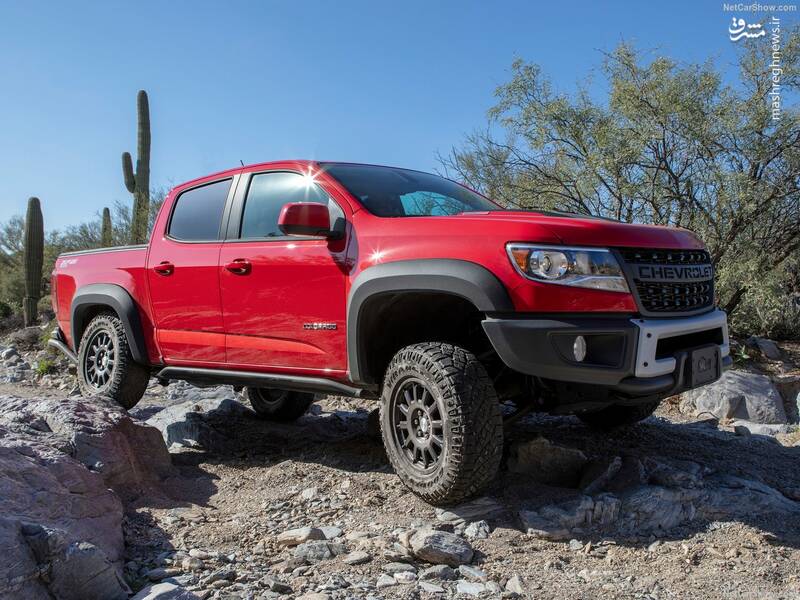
228 507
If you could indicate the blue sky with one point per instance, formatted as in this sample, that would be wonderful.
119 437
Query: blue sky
379 81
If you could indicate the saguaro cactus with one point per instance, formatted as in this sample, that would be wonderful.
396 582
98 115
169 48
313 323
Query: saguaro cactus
106 233
34 256
138 183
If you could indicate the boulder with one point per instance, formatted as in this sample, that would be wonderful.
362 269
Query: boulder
203 420
737 395
516 585
64 466
77 570
474 510
295 537
28 338
317 550
96 432
674 473
557 521
615 476
547 463
750 428
598 474
789 388
440 547
165 591
443 572
478 530
470 588
767 347
653 508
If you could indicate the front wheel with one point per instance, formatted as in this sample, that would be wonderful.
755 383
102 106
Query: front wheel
105 363
279 405
618 416
441 422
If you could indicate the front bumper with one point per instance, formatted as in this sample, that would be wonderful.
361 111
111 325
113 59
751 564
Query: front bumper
634 357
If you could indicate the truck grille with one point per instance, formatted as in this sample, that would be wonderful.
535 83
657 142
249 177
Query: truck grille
665 257
671 284
667 297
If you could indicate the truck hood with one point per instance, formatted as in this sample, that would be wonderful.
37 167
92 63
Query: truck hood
580 230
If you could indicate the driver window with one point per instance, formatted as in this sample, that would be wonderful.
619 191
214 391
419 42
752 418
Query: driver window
267 194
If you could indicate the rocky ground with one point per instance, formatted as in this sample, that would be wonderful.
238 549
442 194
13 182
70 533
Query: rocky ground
701 500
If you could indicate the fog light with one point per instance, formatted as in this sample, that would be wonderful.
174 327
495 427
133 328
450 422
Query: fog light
579 348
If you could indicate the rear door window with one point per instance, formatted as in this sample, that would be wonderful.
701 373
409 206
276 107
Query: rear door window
198 212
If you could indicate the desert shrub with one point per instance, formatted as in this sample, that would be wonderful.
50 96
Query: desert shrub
45 366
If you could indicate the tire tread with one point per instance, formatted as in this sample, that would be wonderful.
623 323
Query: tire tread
475 416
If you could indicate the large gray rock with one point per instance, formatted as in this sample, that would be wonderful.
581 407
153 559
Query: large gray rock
64 463
202 420
789 387
737 395
316 550
28 338
558 521
295 537
440 547
653 508
96 432
77 570
766 346
547 463
676 493
165 591
474 510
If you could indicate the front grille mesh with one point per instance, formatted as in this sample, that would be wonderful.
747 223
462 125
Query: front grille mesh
646 256
670 297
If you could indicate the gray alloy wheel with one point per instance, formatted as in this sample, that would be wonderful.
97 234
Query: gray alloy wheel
419 425
440 422
105 364
279 405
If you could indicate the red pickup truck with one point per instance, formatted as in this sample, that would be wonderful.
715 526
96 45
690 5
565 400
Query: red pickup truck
300 277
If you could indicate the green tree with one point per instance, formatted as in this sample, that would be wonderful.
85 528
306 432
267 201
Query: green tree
83 236
672 144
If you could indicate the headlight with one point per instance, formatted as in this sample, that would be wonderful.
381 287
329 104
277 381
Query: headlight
581 267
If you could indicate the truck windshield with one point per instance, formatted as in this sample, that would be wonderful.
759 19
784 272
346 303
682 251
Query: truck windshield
391 192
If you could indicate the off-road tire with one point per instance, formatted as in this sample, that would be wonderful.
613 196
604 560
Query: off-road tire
618 416
126 381
471 423
279 405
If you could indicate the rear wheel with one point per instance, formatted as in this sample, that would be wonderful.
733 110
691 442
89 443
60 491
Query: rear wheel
441 422
279 405
105 363
617 416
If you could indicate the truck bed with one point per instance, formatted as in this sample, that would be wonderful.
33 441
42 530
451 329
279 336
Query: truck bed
123 266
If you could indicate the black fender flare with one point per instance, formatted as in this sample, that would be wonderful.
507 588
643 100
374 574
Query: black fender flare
117 299
468 280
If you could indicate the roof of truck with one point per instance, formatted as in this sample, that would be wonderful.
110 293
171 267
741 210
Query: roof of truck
301 162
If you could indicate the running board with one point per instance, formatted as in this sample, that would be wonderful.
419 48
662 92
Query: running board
291 383
63 348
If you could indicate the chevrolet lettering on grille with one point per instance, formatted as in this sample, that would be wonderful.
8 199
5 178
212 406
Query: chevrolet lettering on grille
676 273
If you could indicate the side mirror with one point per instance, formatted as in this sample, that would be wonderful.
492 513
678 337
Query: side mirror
306 218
